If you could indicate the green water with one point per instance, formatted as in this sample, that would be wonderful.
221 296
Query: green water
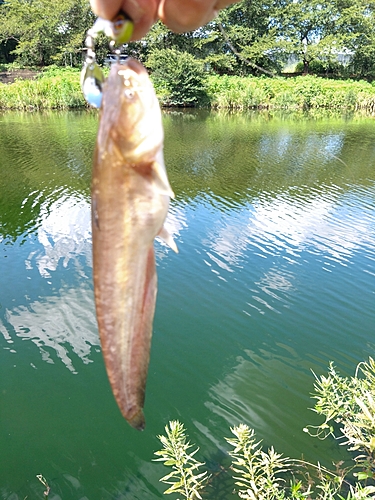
274 218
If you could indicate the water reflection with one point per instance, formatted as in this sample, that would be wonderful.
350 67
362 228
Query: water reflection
319 148
253 391
65 324
62 319
283 229
64 233
289 225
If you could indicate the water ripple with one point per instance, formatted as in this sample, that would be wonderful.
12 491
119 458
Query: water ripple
59 326
328 225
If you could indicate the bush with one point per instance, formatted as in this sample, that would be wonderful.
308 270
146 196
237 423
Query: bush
302 92
178 77
320 68
187 84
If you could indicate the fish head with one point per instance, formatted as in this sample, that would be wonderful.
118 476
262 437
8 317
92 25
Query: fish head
131 110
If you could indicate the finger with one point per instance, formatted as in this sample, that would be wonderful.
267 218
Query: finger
105 9
143 13
221 4
187 15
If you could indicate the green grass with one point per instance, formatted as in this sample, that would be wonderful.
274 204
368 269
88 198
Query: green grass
59 88
52 89
302 92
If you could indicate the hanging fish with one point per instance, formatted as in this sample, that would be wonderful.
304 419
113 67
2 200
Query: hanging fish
130 195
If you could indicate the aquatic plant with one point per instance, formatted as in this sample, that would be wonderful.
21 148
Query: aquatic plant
258 473
350 403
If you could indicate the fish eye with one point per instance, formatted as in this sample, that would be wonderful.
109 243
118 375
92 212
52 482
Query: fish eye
129 94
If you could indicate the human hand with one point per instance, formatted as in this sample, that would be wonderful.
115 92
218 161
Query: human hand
177 15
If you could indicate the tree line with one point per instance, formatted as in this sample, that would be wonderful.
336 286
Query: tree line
249 38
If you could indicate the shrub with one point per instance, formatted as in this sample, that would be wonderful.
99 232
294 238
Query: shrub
53 89
178 77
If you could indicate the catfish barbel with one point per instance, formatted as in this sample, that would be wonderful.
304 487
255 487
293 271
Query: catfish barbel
130 198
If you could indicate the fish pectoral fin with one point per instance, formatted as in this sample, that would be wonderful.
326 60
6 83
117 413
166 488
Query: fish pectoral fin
167 237
161 179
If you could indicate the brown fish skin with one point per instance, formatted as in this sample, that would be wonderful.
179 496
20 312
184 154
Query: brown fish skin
130 198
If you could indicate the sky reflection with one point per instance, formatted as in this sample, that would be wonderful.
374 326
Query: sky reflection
288 225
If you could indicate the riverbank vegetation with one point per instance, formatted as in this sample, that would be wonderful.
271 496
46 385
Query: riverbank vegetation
290 93
348 407
186 85
51 89
239 60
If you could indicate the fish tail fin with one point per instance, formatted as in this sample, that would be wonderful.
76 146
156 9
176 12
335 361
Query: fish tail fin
167 238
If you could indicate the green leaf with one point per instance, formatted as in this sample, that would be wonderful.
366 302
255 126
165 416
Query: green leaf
363 475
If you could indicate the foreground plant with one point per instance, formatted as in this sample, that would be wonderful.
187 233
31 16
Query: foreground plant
258 472
260 475
185 477
350 403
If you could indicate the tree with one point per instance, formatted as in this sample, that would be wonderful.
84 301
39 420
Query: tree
320 31
247 30
238 42
6 49
357 23
249 37
308 28
46 32
160 37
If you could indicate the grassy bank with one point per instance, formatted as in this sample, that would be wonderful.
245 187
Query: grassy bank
301 92
60 89
51 89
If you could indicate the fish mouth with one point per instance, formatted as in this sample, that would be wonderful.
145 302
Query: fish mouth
135 66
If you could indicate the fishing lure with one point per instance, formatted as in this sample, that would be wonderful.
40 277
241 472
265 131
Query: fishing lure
119 30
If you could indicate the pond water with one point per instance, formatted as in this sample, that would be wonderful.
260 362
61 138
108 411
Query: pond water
274 218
